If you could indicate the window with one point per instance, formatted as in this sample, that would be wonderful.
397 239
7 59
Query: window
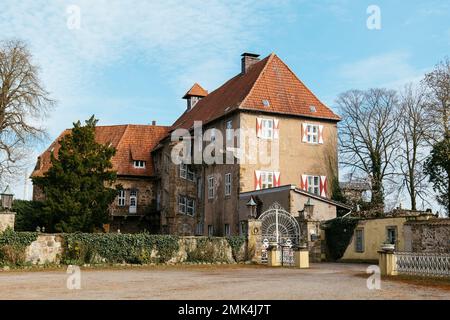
199 229
266 179
267 128
227 184
139 164
182 204
186 172
210 187
210 230
186 205
392 235
229 131
121 198
359 240
312 132
314 184
190 206
227 229
166 163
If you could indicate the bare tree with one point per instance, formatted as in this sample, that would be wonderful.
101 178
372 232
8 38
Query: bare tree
414 149
23 103
369 136
437 83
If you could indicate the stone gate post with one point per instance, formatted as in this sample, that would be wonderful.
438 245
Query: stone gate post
387 263
254 240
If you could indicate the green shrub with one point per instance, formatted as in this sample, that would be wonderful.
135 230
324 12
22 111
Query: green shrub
80 248
208 249
13 245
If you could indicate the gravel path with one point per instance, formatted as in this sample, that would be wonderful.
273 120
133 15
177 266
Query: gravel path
321 281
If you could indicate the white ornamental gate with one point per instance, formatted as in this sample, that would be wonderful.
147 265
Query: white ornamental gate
279 227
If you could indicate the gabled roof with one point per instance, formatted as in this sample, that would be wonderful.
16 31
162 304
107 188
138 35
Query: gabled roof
196 91
132 142
269 79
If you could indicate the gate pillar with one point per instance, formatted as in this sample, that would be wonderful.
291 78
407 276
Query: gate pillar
387 263
301 258
254 240
274 256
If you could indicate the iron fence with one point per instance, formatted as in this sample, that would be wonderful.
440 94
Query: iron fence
423 264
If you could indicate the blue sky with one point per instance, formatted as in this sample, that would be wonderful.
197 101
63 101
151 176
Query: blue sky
132 61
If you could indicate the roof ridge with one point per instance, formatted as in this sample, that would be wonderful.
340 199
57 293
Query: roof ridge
306 87
270 57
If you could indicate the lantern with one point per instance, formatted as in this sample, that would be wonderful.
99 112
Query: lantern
6 198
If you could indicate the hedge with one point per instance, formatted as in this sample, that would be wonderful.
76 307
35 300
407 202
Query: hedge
81 248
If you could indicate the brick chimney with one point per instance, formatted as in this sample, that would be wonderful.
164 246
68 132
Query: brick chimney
248 59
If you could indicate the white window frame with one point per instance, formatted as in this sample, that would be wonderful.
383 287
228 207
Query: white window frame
186 172
267 129
227 184
190 206
211 183
121 198
267 179
139 164
312 186
312 133
182 204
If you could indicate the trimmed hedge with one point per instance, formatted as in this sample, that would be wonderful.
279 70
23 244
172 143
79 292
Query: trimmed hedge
81 248
13 245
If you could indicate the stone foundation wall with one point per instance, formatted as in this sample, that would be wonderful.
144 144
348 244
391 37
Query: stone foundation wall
7 220
428 236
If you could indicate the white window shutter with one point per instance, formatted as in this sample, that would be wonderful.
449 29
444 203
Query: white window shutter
276 178
276 128
258 127
321 134
323 186
304 132
257 180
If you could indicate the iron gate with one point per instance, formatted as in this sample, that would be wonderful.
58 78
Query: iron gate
279 227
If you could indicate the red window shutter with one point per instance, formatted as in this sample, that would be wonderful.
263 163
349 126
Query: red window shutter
257 180
276 128
323 186
321 134
258 127
304 132
276 179
304 182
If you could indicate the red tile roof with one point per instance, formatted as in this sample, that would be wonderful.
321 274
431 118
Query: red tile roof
132 142
269 79
196 91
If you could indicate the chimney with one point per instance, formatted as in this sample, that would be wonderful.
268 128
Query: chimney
153 123
248 59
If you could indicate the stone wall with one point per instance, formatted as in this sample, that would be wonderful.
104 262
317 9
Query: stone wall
46 249
428 236
7 220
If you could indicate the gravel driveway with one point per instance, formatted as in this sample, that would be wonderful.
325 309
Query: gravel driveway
321 281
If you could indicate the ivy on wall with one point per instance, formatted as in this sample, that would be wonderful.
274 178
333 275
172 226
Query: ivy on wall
80 248
13 245
236 243
339 233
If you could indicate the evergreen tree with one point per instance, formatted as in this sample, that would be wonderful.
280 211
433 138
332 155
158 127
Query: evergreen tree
77 186
437 166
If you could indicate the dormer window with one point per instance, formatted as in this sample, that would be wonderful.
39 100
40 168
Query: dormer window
139 164
194 95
